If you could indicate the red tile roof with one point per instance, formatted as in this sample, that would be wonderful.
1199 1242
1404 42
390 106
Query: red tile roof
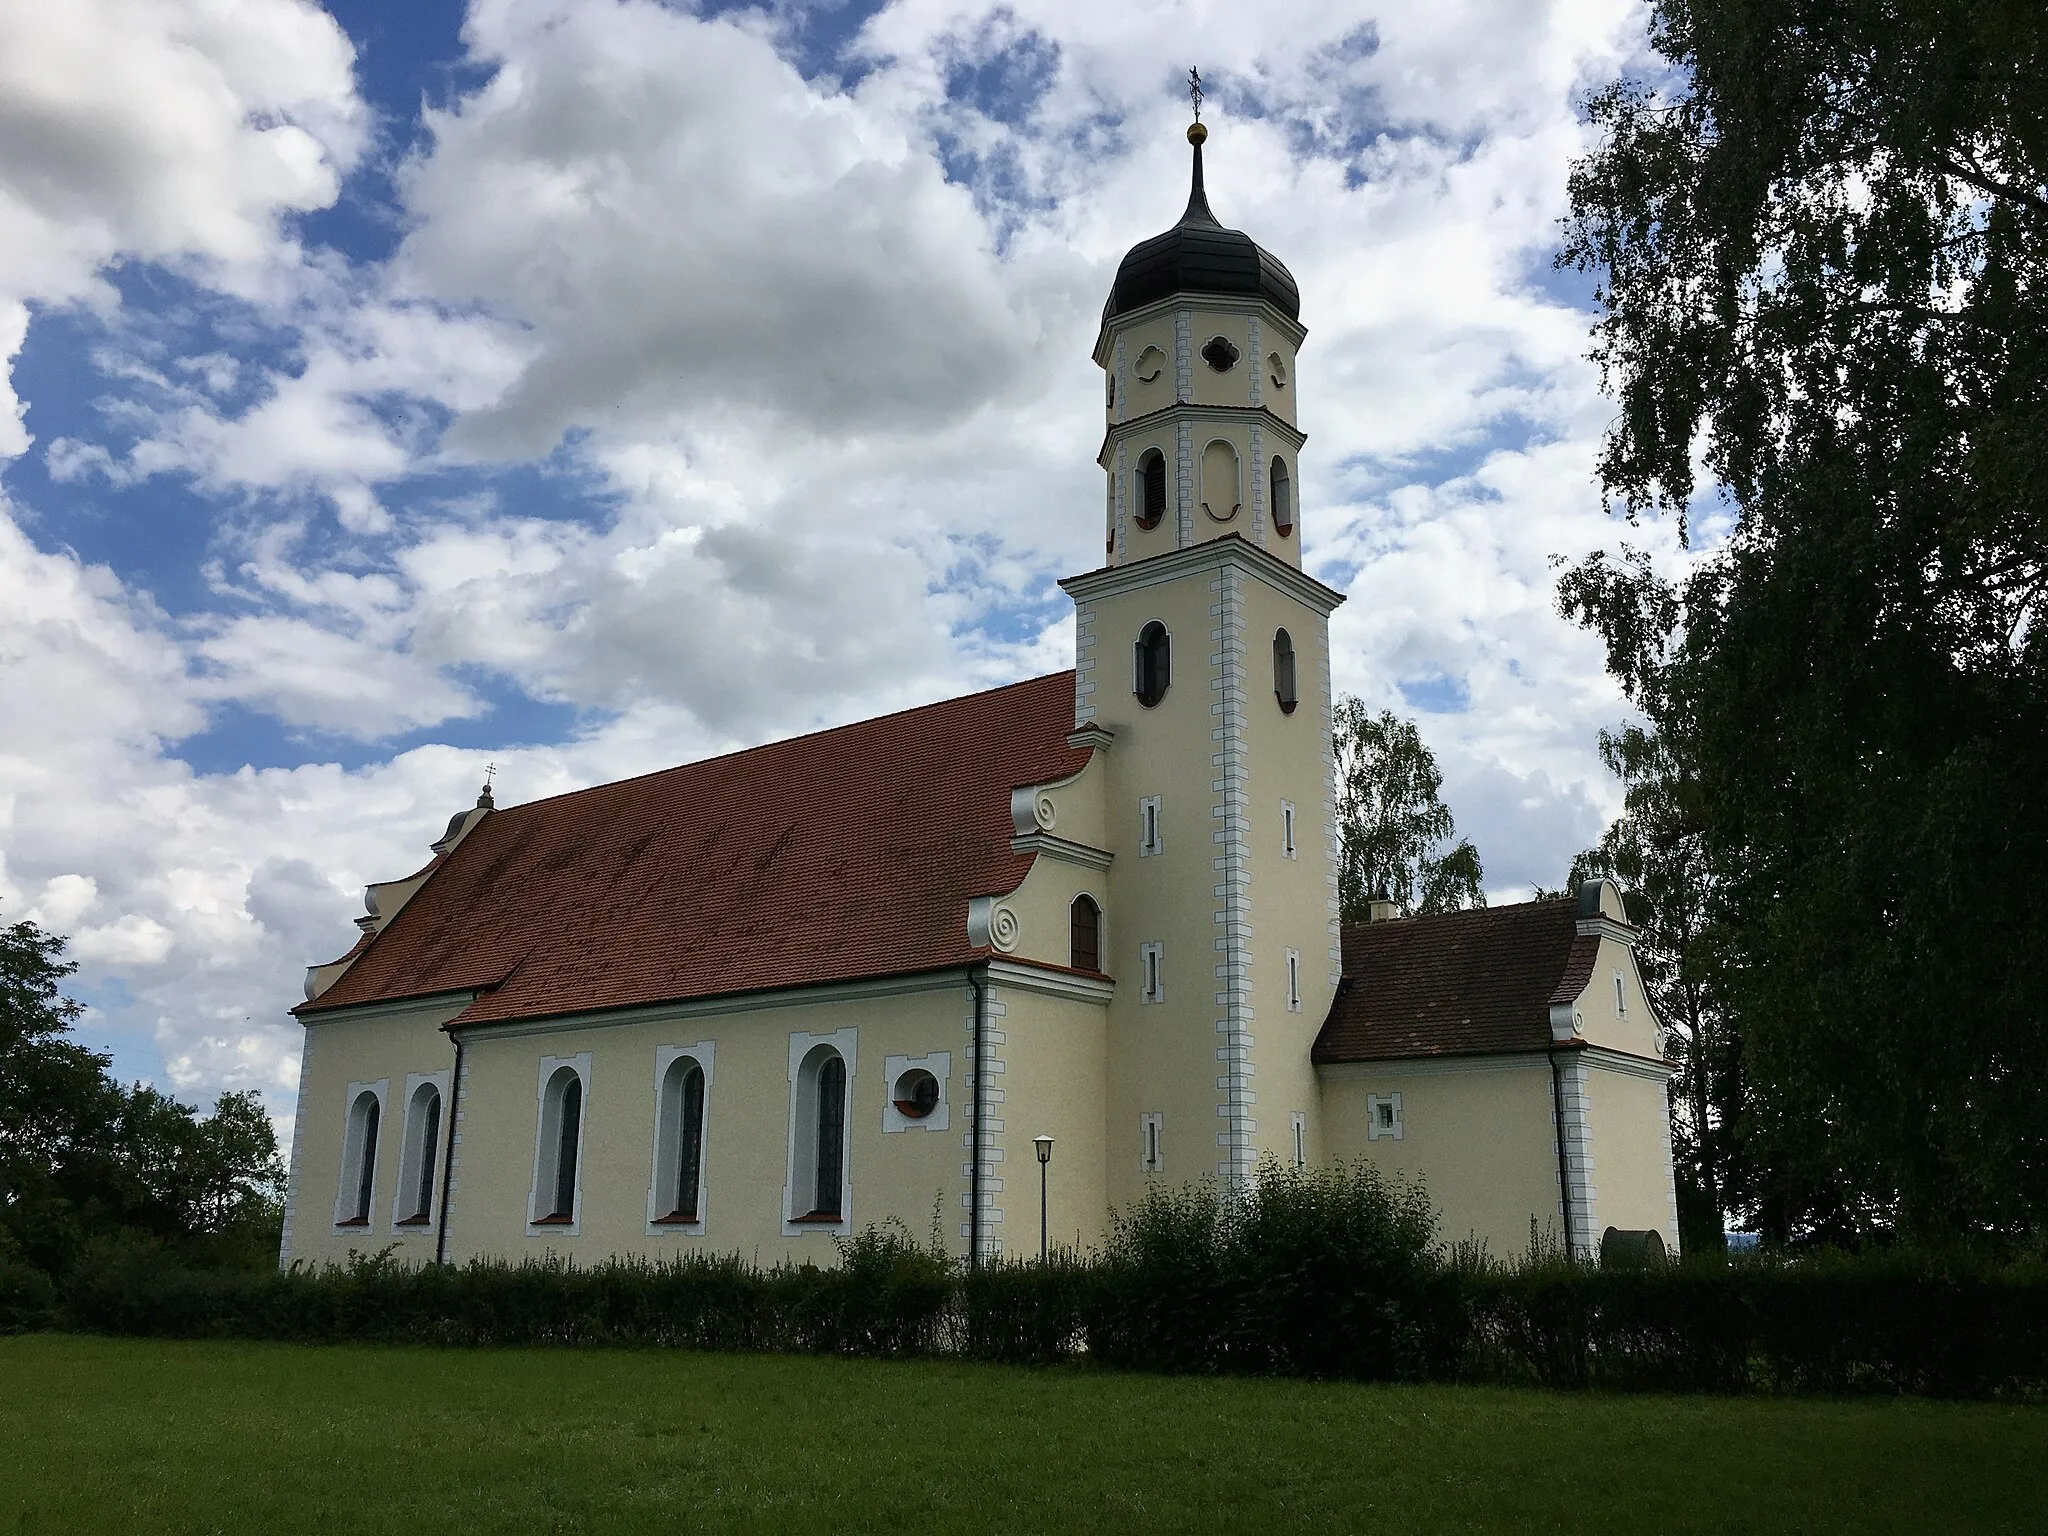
845 854
1456 983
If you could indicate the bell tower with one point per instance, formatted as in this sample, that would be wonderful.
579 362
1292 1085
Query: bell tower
1203 669
1197 348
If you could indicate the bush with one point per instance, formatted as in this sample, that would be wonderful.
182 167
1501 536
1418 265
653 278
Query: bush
28 1301
1323 1274
1307 1272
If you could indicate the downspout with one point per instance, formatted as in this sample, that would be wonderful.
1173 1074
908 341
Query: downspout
1564 1179
448 1156
977 1131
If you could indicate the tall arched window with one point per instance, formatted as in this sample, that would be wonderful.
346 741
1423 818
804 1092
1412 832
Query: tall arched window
359 1161
1151 488
1084 934
830 1166
417 1163
679 1173
818 1164
1153 672
1283 498
1283 671
561 1141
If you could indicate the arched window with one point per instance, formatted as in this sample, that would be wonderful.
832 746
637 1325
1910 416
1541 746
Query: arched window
1283 498
1151 488
820 1162
1283 671
679 1172
359 1161
561 1141
1153 674
416 1165
1084 934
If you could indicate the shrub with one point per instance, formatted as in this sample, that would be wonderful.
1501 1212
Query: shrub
28 1301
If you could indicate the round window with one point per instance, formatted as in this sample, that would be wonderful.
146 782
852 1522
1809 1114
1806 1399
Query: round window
916 1094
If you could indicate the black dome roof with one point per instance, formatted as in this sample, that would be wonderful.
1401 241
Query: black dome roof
1198 255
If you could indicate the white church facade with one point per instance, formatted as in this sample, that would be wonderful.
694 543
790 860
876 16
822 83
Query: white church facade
754 1002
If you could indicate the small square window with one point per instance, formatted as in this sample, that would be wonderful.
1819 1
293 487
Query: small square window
1383 1116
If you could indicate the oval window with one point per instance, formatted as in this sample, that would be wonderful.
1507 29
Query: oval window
1153 664
916 1094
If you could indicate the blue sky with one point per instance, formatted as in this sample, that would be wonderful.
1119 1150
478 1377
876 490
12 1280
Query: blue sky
579 388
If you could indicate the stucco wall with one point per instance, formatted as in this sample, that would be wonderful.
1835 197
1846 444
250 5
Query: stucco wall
1631 1136
1478 1132
376 1045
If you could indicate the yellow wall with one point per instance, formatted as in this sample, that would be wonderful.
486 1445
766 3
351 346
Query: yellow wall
1631 1143
384 1044
1477 1131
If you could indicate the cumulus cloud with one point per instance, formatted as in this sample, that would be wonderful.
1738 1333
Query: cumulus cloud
138 129
719 402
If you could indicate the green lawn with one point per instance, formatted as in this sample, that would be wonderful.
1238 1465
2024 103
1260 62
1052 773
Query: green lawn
138 1436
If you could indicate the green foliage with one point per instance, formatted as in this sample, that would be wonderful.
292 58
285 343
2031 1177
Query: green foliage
1822 252
1392 823
82 1157
1314 1272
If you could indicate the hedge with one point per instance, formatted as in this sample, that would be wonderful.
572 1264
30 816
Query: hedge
1324 1274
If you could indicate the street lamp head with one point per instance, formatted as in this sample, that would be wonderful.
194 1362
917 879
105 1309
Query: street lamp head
1044 1145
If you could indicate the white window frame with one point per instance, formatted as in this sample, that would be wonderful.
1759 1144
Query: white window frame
1151 827
1298 1124
1294 981
351 1181
940 1065
663 1169
410 1153
1287 848
1152 1142
1152 972
1374 1103
543 1142
846 1042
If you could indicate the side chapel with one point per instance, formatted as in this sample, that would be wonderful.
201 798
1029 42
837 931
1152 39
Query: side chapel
752 1003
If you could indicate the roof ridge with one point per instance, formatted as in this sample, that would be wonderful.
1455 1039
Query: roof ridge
783 741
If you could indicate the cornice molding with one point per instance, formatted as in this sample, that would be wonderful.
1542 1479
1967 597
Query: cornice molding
1231 549
354 1013
1059 848
1023 976
1189 410
1215 303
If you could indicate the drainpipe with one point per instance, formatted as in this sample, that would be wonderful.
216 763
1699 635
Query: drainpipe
977 1132
1564 1180
448 1157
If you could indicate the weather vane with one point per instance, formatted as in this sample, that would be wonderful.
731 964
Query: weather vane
1195 91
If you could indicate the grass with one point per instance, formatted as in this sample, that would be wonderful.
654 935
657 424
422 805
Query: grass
127 1435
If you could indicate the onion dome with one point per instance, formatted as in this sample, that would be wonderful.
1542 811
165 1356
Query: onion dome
1198 255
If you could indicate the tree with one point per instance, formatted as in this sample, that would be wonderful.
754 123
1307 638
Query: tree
81 1156
1392 825
1656 852
1822 257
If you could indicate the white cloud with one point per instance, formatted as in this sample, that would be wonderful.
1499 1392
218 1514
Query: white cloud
822 420
162 130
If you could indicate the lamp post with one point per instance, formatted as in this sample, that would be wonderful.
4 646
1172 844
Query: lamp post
1044 1145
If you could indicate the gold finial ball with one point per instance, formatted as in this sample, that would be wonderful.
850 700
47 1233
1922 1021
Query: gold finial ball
1197 133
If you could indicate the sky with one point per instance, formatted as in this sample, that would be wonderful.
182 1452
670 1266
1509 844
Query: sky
389 391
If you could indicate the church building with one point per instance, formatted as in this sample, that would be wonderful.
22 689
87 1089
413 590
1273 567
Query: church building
855 978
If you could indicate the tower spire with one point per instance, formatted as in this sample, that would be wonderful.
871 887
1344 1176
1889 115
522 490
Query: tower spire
1198 210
